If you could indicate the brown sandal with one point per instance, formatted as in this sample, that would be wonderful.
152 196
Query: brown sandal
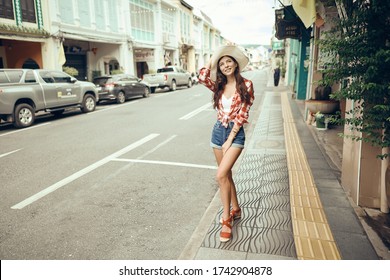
236 214
226 236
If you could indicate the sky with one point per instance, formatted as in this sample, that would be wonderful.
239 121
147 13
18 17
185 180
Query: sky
241 21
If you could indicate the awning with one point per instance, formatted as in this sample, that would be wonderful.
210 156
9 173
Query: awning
306 10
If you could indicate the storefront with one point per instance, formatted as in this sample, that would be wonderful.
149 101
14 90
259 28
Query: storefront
145 61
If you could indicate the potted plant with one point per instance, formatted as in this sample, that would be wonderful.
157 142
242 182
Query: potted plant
321 122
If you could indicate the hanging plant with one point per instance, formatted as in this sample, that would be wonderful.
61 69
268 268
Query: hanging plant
359 48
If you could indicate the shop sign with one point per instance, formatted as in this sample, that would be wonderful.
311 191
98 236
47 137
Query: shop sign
277 45
144 55
287 24
288 29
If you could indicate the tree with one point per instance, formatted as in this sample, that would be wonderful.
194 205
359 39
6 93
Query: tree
359 51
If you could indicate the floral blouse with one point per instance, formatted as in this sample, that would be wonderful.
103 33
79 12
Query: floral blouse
239 112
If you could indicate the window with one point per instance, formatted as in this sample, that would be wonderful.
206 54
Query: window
30 78
133 79
84 13
166 69
46 77
99 14
142 20
124 79
66 11
28 10
11 76
60 77
185 25
113 15
168 21
7 9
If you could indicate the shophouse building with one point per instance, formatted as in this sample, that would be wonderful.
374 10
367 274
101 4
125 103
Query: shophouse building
104 36
24 34
364 177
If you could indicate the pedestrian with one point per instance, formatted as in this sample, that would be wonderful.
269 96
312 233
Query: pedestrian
276 76
232 99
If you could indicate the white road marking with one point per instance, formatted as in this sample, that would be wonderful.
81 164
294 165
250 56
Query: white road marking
82 172
113 107
6 154
157 147
24 129
162 94
166 163
195 112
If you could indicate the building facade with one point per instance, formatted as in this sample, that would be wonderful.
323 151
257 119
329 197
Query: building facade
364 177
99 37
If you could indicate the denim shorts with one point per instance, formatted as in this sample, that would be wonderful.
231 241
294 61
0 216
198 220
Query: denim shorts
220 134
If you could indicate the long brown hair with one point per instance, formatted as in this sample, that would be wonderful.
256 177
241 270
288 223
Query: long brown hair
222 81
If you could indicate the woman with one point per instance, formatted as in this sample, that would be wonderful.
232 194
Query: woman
233 97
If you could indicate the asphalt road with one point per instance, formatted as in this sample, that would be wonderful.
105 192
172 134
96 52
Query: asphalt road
127 181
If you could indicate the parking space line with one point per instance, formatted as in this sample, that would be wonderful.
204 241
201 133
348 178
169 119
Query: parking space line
82 172
24 129
195 112
6 154
116 106
166 163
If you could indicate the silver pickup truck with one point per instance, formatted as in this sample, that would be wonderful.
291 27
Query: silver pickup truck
168 77
24 92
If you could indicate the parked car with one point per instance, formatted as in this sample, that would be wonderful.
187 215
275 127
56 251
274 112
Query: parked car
194 78
120 87
168 77
24 92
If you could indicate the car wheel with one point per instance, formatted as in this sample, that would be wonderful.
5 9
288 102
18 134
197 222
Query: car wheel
152 89
89 103
146 92
24 115
120 99
173 85
189 83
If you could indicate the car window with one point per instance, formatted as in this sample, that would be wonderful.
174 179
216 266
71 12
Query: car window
101 81
60 77
166 69
11 76
3 78
47 77
133 78
30 78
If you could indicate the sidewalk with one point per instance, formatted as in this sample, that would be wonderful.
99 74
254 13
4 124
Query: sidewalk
293 205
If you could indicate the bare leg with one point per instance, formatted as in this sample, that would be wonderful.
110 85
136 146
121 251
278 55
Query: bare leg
225 180
234 200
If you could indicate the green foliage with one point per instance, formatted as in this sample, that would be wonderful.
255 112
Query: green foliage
70 71
359 48
114 72
96 73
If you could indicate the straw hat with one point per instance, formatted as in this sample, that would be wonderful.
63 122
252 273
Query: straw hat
232 51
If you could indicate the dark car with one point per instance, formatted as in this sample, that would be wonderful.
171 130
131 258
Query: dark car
120 87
